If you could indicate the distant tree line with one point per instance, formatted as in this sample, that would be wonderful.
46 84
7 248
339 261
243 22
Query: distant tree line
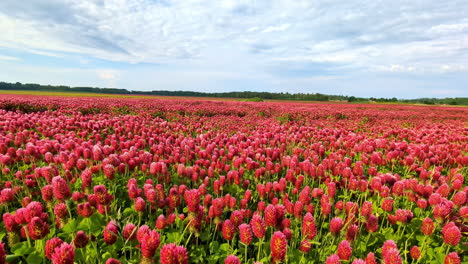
241 95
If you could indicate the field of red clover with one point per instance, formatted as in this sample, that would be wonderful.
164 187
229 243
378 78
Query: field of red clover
119 180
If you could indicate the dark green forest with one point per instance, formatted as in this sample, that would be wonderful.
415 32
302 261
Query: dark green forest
250 96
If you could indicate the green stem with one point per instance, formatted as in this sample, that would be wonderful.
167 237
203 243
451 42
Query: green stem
27 236
259 249
423 244
245 253
447 251
183 233
188 239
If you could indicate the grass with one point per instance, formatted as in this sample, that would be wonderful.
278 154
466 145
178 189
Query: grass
83 94
70 94
101 95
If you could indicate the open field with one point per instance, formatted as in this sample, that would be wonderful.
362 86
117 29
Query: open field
80 94
65 94
85 94
97 178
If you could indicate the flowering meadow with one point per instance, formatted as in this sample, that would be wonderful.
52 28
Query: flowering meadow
139 180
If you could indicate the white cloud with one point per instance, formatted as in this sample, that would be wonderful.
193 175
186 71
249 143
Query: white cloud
449 28
338 57
279 28
446 92
397 68
243 39
453 68
166 31
109 75
8 58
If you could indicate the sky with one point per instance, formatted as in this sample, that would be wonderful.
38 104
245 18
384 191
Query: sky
403 49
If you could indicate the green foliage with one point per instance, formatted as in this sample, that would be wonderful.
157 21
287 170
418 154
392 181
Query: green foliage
90 111
284 118
246 95
25 107
253 99
123 110
159 114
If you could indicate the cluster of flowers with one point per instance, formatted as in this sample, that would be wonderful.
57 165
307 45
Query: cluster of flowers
270 182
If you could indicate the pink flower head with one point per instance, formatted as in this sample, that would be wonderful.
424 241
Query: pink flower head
237 217
435 199
442 211
415 253
288 233
404 215
140 204
173 254
270 215
61 210
278 246
192 198
390 253
180 255
344 250
7 195
60 188
388 245
325 207
97 153
110 233
228 230
351 207
47 193
102 196
305 246
161 222
370 258
298 208
358 261
130 232
150 243
309 230
86 178
452 258
78 196
109 171
335 225
463 212
81 239
231 259
141 233
352 232
50 246
63 254
459 198
331 189
427 226
372 224
245 233
33 208
387 204
85 209
333 259
113 261
421 203
258 226
11 225
452 235
37 228
366 209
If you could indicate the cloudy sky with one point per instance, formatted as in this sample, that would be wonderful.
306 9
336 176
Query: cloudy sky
403 49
